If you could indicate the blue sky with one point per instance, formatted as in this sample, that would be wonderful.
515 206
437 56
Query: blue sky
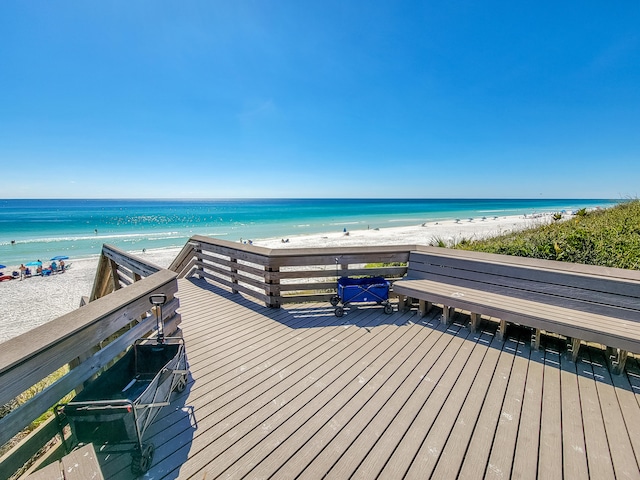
319 99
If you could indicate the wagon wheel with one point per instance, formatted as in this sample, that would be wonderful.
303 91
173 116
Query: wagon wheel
339 311
182 384
335 300
142 461
388 308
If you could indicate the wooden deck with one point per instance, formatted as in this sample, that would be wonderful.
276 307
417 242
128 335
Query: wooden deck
297 392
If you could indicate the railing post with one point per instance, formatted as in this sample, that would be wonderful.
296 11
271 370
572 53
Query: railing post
198 254
273 289
344 266
114 275
234 277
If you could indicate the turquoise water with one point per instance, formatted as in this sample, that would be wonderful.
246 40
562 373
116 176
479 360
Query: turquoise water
41 229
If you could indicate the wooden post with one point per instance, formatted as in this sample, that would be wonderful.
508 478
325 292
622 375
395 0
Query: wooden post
100 278
475 321
274 288
617 359
622 360
446 314
402 303
114 275
424 307
344 266
502 330
197 251
575 348
535 339
234 278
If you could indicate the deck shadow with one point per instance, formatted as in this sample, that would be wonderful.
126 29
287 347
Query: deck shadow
553 347
309 315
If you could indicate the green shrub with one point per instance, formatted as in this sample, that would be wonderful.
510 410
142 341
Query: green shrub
609 237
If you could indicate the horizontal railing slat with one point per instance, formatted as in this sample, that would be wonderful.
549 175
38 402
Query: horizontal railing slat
132 263
240 288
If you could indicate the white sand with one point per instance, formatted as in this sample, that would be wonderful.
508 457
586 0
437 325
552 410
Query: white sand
449 231
28 303
33 301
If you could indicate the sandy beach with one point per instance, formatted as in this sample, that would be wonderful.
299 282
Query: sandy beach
34 301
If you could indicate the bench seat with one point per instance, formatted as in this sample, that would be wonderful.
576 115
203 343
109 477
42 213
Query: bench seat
565 299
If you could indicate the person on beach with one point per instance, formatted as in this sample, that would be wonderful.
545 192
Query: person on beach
23 270
62 264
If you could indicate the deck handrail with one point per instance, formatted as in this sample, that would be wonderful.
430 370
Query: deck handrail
277 276
88 338
117 268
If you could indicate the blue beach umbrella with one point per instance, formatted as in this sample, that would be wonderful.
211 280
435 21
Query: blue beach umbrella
33 264
3 266
60 257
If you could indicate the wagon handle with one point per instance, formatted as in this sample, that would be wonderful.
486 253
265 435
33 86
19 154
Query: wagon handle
158 300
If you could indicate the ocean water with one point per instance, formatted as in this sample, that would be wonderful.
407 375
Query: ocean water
41 229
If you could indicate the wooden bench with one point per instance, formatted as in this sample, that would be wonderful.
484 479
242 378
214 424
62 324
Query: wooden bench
580 302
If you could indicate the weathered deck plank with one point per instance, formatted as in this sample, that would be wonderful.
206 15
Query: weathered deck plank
457 443
525 462
629 408
359 437
398 465
407 408
598 456
504 441
474 463
444 447
573 446
624 462
550 456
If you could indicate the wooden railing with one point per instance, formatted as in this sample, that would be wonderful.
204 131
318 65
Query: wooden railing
117 269
87 339
278 276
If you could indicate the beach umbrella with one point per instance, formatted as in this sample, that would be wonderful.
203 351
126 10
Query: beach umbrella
60 257
33 264
3 266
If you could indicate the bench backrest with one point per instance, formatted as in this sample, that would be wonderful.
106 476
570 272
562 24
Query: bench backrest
606 291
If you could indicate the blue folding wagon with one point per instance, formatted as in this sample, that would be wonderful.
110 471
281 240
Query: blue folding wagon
361 290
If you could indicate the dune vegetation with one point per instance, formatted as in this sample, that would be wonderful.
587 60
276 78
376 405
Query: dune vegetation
608 237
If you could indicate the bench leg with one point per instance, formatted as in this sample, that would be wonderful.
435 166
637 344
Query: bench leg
475 321
446 314
617 359
535 339
402 302
502 330
423 307
575 349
